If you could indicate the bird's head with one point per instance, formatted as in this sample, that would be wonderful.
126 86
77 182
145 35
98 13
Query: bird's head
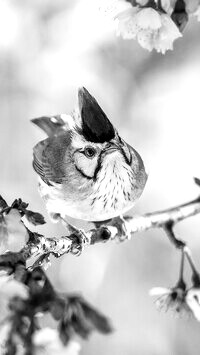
102 159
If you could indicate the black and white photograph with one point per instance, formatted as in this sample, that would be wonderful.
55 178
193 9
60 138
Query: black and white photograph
99 177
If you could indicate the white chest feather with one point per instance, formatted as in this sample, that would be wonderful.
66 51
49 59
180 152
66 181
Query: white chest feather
113 191
112 194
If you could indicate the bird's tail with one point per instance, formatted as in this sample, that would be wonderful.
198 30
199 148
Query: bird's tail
51 125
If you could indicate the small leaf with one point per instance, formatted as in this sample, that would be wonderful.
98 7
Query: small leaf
19 204
197 181
33 237
82 319
34 217
3 203
41 288
57 308
99 321
66 332
81 325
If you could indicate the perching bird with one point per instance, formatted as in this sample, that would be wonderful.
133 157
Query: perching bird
86 170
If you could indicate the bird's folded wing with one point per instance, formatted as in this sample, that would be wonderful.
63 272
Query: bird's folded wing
49 159
38 151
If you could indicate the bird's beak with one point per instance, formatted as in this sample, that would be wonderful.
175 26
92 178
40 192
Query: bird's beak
111 147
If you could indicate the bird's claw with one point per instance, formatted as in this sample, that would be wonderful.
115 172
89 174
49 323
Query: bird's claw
124 233
78 237
79 240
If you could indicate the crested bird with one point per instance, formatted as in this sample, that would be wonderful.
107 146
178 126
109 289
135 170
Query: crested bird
86 170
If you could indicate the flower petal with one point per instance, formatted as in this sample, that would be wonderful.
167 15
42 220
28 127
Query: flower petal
191 5
165 37
126 25
168 5
197 13
145 39
194 306
14 288
47 342
159 291
148 18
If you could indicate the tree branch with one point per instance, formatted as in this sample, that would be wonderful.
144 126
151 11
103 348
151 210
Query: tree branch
41 246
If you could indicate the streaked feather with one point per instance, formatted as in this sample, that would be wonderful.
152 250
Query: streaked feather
49 158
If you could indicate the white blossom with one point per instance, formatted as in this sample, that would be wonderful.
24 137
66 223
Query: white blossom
166 35
168 5
13 234
47 342
193 301
192 6
197 13
171 298
10 288
142 2
4 333
152 29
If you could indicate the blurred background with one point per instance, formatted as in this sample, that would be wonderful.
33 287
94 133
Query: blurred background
47 50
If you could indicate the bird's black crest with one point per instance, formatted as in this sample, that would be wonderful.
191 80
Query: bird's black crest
96 127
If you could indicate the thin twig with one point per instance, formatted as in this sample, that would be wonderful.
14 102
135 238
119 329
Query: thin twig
160 218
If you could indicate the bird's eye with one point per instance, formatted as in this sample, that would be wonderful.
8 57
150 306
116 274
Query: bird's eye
89 152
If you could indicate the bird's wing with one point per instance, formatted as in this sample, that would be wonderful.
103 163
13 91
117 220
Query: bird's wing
38 151
55 125
49 158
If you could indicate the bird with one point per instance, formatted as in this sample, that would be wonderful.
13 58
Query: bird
86 170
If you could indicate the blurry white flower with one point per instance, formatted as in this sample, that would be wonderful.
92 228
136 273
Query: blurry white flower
4 333
10 288
132 22
193 301
192 6
171 298
47 342
142 2
168 5
197 13
13 234
166 35
151 28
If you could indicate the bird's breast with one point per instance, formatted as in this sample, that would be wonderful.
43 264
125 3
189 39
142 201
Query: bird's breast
113 193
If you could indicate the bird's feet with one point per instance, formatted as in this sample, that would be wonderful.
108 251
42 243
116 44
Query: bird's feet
78 237
124 232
